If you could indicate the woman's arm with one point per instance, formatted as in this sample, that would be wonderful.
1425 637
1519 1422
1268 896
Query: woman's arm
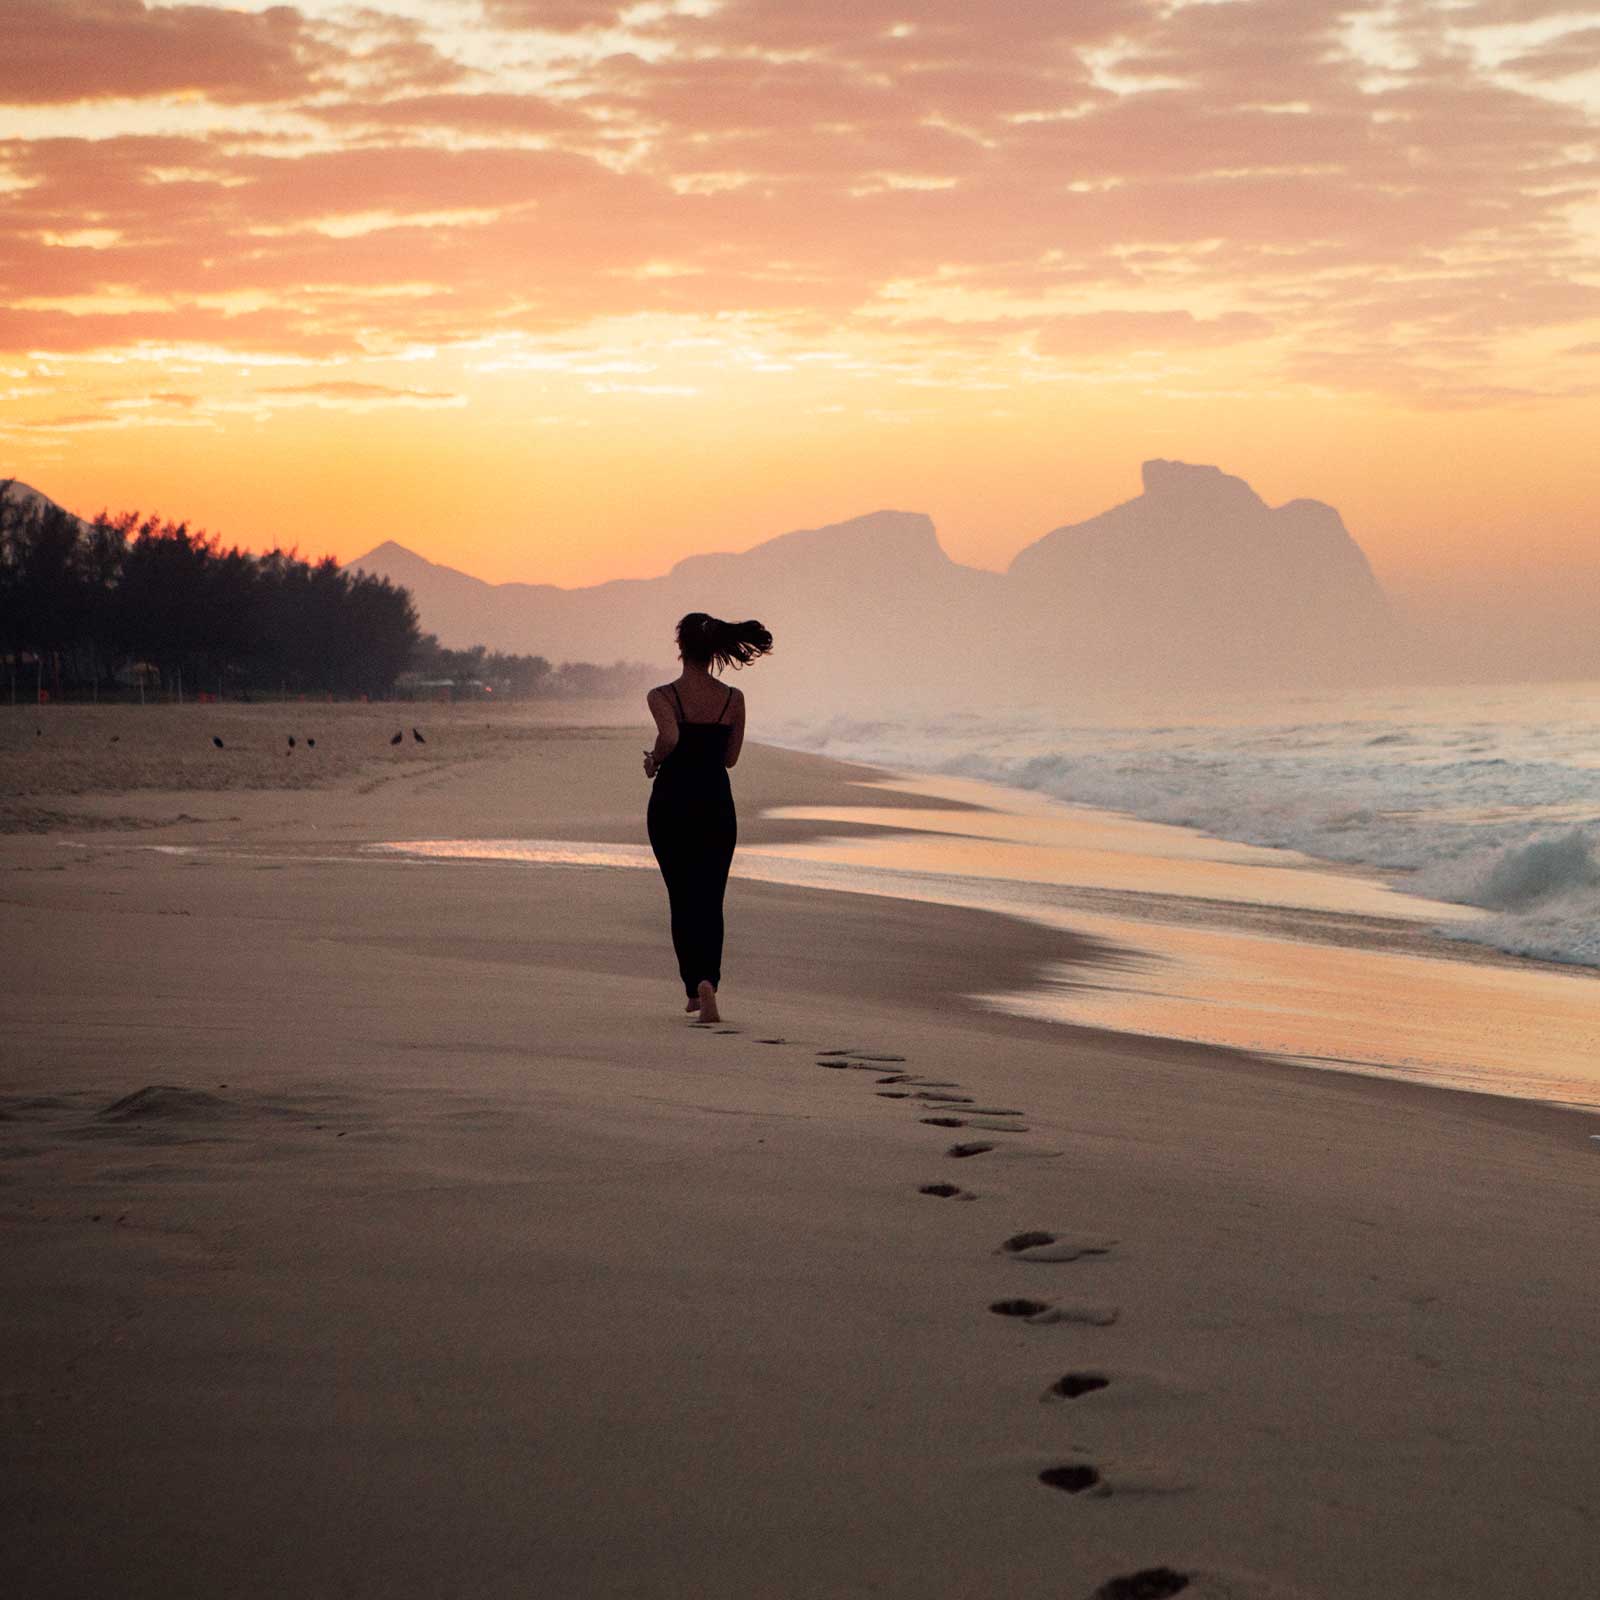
666 732
736 727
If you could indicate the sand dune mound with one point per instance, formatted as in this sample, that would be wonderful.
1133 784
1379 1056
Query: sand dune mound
165 1102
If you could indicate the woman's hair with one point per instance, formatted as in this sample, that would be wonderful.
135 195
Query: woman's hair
709 641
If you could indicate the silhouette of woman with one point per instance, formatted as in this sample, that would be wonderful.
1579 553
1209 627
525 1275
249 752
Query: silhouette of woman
693 827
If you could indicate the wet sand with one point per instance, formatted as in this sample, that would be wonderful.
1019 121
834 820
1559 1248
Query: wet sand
377 1227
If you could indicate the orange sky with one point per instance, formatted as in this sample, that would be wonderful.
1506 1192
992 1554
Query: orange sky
562 292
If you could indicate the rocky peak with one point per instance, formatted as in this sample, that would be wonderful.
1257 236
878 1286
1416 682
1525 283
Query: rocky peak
1198 485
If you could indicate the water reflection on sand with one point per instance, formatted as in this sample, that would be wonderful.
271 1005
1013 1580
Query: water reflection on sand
1221 943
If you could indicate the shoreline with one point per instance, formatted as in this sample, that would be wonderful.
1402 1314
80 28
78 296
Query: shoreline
454 1262
822 791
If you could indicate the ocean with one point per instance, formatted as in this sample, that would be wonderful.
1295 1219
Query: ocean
1487 797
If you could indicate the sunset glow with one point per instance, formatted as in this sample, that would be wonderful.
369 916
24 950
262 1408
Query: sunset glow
564 291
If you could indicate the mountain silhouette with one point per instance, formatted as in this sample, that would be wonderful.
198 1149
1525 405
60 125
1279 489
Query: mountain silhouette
851 598
19 494
1197 576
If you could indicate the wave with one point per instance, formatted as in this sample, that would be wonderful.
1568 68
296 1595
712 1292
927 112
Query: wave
1503 815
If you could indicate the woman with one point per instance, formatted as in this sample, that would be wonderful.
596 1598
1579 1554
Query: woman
699 733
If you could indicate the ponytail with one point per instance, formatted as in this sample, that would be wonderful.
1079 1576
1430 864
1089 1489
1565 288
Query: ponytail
709 641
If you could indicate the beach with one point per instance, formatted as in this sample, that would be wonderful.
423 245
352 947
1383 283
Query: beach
378 1225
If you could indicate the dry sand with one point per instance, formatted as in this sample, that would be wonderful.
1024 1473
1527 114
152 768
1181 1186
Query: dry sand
381 1228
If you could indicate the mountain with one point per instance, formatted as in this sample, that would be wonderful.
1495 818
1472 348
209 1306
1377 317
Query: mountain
1195 580
858 599
1198 575
14 492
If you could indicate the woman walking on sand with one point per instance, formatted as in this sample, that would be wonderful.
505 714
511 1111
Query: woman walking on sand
693 829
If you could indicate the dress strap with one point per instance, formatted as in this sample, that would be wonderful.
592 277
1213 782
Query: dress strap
725 704
672 689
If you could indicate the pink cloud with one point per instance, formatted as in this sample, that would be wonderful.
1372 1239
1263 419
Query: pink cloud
708 172
62 50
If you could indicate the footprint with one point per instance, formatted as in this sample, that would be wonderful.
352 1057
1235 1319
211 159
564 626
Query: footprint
1149 1583
1042 1314
1074 1385
987 1123
772 1041
994 1111
1019 1308
896 1077
1039 1246
932 1083
945 1099
837 1066
947 1191
1076 1477
1113 1477
727 1030
960 1150
892 1094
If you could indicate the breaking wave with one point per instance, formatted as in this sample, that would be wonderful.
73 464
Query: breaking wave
1484 798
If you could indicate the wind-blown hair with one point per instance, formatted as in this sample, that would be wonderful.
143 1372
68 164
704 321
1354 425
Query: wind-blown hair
709 641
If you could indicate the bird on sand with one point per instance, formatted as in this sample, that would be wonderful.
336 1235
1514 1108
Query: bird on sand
397 738
418 737
311 744
291 741
217 742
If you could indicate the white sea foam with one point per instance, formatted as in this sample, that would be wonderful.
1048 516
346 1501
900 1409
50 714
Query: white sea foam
1489 798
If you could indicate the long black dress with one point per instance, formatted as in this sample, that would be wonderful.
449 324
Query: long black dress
693 829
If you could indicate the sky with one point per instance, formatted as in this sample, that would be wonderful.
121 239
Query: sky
562 291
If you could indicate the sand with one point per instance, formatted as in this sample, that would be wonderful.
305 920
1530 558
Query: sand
375 1227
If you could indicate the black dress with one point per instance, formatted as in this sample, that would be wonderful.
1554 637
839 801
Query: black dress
693 830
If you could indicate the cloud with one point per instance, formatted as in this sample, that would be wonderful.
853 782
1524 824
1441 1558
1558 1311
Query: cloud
554 16
1102 177
63 50
352 396
1094 333
1561 57
479 113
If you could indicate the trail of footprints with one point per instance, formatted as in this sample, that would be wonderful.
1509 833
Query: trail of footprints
955 1110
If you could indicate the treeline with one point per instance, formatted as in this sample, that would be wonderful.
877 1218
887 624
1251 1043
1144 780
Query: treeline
131 604
513 677
128 600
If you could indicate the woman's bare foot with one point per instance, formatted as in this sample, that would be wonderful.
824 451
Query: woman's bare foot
708 1003
693 1005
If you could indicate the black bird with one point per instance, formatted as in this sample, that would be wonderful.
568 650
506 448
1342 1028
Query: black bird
418 737
115 737
291 741
217 742
311 744
397 738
